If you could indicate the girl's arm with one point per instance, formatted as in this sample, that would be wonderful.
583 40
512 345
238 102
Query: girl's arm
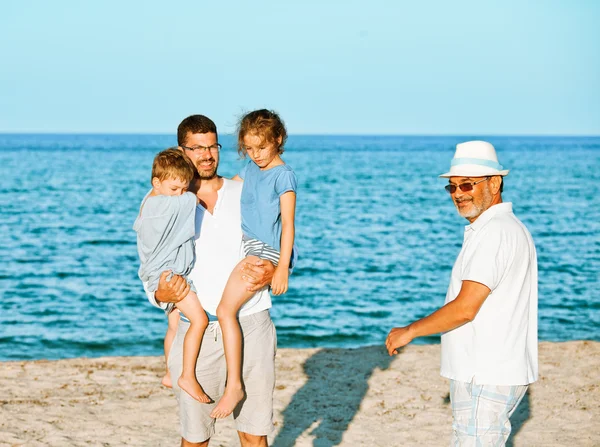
288 210
237 178
287 202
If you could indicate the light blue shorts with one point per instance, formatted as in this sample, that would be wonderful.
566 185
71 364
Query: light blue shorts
481 413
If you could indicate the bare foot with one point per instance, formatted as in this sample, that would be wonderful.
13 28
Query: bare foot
166 380
227 403
193 388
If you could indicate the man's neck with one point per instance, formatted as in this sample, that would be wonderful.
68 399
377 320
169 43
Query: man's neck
208 192
210 185
497 200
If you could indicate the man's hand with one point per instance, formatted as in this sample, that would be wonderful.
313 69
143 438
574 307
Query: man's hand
257 274
279 284
398 337
171 291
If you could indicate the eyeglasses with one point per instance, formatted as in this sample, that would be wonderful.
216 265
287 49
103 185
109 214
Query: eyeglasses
214 148
464 187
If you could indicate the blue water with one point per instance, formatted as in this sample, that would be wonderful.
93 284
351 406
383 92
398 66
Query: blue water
376 230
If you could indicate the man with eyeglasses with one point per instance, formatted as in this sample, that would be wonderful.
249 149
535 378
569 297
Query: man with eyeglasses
218 251
489 319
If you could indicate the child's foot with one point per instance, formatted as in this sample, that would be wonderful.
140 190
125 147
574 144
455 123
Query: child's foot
166 380
193 388
227 403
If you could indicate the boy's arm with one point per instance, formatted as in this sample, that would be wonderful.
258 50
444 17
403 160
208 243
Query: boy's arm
172 225
288 210
180 215
237 178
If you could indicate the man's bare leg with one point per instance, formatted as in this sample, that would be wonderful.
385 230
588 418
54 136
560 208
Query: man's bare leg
191 308
248 440
185 443
234 296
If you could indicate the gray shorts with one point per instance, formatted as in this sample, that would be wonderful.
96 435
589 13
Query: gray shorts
254 414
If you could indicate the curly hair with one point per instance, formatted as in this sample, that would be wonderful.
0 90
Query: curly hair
265 124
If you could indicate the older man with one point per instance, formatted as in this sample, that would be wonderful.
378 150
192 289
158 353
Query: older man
218 250
489 320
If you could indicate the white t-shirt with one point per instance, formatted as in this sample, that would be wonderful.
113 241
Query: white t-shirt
218 251
499 347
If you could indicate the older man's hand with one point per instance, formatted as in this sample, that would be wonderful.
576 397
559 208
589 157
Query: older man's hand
398 337
257 274
171 291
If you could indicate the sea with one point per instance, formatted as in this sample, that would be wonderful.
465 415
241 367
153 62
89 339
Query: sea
377 236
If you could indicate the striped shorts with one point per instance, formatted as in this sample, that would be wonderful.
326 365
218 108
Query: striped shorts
254 247
481 413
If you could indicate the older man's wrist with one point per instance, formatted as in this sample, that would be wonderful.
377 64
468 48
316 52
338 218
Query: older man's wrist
412 331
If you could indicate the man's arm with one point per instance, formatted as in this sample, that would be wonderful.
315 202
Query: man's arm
461 310
257 275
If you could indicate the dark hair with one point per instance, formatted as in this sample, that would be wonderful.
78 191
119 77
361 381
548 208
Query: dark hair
265 124
173 163
195 124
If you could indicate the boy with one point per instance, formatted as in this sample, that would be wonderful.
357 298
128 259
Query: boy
165 238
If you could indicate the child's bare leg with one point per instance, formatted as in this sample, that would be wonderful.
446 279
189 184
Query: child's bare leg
169 337
191 308
234 296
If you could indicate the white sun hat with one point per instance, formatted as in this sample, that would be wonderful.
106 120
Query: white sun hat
475 159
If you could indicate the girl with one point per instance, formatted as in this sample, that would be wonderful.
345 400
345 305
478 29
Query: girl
268 206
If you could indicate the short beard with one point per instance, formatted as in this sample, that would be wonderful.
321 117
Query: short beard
477 209
207 174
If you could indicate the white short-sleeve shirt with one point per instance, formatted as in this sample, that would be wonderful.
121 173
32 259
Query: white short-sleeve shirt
219 250
499 347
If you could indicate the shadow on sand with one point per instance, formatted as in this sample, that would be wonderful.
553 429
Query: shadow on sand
329 400
519 417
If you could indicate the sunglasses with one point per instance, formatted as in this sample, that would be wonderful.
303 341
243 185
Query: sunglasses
464 187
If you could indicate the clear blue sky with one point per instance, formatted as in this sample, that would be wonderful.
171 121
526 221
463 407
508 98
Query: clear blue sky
329 67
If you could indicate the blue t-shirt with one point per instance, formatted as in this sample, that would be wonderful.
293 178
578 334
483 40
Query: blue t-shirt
261 213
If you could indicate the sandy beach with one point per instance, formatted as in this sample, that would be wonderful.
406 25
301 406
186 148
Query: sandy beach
323 397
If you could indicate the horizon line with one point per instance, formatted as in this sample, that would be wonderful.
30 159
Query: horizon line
433 135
